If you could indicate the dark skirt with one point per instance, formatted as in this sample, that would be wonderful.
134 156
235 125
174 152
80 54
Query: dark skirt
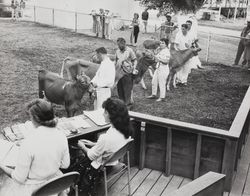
89 177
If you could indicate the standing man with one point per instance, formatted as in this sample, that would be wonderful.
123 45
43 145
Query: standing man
124 54
195 61
182 42
241 45
166 28
144 17
104 78
22 6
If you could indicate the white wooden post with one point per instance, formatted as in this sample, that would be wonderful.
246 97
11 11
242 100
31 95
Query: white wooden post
34 13
75 21
53 17
235 9
208 46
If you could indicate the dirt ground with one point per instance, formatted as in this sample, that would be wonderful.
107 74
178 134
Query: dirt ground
212 97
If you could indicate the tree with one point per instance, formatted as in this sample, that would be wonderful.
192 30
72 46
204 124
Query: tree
169 6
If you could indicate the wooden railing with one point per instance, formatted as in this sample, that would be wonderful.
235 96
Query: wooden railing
209 184
187 149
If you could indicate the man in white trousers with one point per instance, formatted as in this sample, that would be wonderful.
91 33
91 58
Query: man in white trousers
104 78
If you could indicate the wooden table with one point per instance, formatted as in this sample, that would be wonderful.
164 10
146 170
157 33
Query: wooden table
82 132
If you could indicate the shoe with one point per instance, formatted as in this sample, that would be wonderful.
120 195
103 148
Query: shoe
244 62
201 67
152 97
160 100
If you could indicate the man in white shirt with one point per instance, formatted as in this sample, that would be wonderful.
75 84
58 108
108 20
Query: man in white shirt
183 42
195 61
104 78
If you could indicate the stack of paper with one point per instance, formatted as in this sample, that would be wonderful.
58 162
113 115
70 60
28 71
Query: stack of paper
8 153
16 129
96 116
71 125
9 134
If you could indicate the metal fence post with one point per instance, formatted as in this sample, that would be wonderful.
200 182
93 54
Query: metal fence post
53 17
34 13
208 46
75 21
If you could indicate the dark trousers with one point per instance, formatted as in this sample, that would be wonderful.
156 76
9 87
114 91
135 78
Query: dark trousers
136 32
240 51
124 88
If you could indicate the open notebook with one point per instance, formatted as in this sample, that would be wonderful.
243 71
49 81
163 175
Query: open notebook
8 153
96 116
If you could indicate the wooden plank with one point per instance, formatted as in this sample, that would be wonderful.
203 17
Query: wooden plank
148 183
197 157
229 158
122 182
240 118
184 182
226 194
164 122
239 181
168 152
156 138
172 185
160 185
207 185
142 146
183 153
247 183
137 180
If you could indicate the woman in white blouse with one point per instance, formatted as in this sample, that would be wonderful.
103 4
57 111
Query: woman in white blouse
115 112
41 154
162 70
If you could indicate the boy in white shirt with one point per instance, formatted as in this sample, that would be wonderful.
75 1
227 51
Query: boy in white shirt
104 78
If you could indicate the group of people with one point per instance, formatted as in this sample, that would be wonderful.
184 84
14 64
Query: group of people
102 23
45 151
17 9
182 39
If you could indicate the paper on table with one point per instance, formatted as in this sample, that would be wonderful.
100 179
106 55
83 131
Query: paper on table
8 153
5 147
12 156
79 122
96 116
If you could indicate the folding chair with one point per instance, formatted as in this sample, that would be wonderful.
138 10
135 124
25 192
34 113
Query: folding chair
59 184
116 156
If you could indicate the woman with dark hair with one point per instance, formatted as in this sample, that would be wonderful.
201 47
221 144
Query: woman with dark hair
115 112
41 154
162 70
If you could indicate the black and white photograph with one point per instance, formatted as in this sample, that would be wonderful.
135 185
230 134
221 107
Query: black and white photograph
124 97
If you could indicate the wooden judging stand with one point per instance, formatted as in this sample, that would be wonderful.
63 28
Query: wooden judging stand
75 128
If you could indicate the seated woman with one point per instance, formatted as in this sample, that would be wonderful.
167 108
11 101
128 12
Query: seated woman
115 112
41 154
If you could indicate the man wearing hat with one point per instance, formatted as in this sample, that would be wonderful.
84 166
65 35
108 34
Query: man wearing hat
166 28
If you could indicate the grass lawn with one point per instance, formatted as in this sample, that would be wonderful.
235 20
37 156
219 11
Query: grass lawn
212 97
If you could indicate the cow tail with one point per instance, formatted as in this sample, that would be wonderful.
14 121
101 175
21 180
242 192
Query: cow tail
41 84
62 69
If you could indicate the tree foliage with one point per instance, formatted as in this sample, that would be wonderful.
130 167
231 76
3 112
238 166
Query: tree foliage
169 6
